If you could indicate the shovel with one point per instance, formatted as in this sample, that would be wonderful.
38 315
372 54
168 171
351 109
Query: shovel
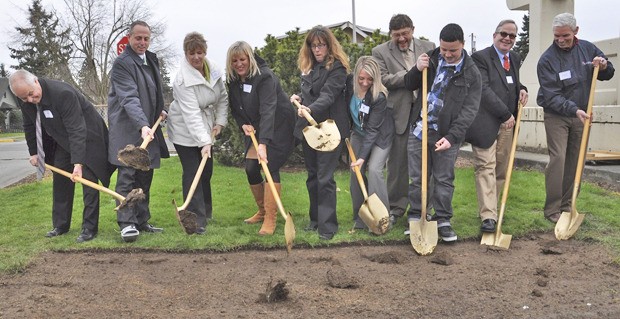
569 222
324 137
289 227
423 234
374 214
136 195
138 157
498 239
187 218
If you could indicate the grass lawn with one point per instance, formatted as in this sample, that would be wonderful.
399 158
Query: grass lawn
26 216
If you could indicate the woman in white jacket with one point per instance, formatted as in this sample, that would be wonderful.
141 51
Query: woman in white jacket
197 114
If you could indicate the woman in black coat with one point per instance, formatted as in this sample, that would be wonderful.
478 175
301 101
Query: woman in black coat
258 104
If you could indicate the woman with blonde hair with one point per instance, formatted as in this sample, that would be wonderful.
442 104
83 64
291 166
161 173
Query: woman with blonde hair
258 104
324 67
197 114
372 130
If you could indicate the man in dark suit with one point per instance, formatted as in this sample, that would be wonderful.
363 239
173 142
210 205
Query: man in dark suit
492 131
135 101
77 142
395 58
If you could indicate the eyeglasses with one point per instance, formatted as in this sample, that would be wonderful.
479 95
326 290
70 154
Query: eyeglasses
404 34
318 46
503 34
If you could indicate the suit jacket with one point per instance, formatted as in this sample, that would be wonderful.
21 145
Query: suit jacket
135 100
73 124
495 105
393 70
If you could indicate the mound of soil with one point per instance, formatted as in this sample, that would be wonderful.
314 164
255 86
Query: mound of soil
538 277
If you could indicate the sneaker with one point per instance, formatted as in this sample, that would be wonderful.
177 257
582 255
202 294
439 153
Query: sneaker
447 234
130 234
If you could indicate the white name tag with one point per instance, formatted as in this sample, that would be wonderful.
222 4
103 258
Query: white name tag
247 88
509 79
564 75
364 108
48 114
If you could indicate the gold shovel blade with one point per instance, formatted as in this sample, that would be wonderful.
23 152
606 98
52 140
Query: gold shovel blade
289 232
567 225
423 236
324 137
497 240
366 216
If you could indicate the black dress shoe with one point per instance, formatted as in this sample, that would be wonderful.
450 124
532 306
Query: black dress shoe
148 228
55 232
86 235
200 231
311 227
488 225
327 236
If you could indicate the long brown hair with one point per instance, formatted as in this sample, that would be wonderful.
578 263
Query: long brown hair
306 59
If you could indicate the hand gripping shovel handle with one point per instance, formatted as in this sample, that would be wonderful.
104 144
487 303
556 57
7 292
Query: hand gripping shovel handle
86 182
146 141
307 115
358 174
274 191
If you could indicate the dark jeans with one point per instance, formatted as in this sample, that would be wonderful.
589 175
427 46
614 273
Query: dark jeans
128 179
201 203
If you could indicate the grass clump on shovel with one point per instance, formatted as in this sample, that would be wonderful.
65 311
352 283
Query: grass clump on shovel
135 196
138 157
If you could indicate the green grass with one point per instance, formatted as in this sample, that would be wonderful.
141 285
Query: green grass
11 135
26 216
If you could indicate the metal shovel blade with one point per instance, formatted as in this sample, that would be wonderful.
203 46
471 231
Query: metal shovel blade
366 216
289 232
423 236
496 239
568 224
379 213
324 137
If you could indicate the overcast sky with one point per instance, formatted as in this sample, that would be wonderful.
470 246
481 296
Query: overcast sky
224 22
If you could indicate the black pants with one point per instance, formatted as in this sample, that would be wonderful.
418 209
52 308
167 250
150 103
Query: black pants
127 179
64 190
200 203
322 187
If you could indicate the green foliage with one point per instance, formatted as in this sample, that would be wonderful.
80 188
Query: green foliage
27 209
523 45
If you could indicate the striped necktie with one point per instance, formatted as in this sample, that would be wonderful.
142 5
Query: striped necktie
40 151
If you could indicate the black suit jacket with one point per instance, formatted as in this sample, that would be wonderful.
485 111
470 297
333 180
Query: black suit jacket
493 109
73 124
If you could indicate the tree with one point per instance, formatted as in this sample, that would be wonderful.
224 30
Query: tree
41 47
523 45
3 72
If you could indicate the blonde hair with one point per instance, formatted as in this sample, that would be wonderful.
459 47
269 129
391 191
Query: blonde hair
306 59
240 48
370 65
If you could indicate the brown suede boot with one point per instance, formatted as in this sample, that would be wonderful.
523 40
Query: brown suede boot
271 211
258 191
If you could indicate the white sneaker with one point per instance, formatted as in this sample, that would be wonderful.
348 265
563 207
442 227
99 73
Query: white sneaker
130 234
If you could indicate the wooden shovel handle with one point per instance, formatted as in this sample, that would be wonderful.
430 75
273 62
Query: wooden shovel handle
274 191
424 143
146 141
86 182
358 174
192 188
307 115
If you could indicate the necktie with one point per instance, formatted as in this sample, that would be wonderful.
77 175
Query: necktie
40 151
506 63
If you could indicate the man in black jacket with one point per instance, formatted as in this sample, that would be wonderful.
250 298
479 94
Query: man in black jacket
453 101
491 133
78 144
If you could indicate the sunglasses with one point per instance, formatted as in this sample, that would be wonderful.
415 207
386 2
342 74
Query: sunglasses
512 36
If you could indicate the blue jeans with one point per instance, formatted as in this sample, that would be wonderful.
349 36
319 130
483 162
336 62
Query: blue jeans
440 170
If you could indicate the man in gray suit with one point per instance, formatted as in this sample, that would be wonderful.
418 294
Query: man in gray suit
395 58
492 131
135 102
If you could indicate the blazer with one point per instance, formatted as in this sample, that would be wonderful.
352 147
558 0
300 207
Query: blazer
393 70
135 100
73 124
261 102
495 107
378 125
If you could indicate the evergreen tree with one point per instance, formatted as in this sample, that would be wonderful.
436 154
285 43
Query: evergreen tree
42 48
3 72
523 45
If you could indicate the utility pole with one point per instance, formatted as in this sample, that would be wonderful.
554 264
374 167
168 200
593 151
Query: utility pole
473 42
354 25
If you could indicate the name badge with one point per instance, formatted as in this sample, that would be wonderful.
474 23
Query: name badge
247 88
48 114
364 108
509 79
564 75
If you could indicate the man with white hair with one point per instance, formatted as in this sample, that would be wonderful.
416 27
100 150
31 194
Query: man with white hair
565 76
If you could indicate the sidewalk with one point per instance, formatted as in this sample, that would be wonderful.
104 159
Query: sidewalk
601 172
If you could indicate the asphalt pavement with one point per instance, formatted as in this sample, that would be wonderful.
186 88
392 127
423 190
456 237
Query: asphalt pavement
14 165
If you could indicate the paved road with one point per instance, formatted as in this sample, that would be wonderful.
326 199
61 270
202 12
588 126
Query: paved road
14 164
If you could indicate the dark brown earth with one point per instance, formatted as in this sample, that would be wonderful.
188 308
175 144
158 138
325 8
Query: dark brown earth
538 277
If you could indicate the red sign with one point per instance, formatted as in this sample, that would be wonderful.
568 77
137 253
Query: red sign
120 47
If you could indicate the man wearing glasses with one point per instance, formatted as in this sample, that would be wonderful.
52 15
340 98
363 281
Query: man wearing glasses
491 133
395 58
